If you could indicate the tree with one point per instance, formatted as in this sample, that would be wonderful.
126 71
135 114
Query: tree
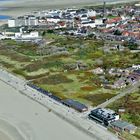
117 32
50 31
43 33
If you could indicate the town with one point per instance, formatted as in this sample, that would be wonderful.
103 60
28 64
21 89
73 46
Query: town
87 59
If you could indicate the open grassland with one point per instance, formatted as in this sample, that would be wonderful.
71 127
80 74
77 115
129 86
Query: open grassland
64 66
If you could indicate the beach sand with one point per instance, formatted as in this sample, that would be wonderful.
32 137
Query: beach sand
3 136
3 22
23 119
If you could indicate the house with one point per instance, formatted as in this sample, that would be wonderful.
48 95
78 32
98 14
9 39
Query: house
7 35
84 22
91 13
103 115
121 125
55 19
98 22
32 35
137 72
12 23
27 20
113 20
132 78
121 83
98 71
115 72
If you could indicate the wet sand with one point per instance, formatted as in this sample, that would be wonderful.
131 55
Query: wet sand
3 136
23 7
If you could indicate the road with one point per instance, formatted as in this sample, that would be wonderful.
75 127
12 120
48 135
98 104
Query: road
79 120
122 93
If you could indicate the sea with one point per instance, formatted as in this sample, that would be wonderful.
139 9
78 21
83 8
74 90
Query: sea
3 17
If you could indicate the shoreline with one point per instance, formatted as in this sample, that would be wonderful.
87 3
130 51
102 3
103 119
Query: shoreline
68 116
28 124
2 22
51 120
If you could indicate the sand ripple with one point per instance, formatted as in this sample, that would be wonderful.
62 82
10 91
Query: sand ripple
8 131
3 136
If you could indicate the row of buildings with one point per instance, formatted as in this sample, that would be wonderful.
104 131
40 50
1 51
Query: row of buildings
61 18
105 116
110 118
21 36
109 23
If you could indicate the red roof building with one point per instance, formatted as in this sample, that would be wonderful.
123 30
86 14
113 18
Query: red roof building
113 20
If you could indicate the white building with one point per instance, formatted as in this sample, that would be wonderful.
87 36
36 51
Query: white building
12 23
104 115
23 21
20 36
91 13
98 71
7 35
98 22
32 21
31 35
136 66
54 20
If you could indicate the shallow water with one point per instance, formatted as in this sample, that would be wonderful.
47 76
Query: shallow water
4 17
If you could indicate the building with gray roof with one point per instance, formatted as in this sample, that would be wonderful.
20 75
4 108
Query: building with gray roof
121 125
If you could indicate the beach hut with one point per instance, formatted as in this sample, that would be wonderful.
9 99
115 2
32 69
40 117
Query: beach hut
75 105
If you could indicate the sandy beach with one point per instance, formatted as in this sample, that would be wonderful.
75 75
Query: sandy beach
4 136
3 22
24 119
27 114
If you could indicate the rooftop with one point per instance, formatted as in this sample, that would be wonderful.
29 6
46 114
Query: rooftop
104 113
123 125
75 104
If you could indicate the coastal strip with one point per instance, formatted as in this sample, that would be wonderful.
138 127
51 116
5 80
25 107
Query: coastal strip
33 121
79 120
